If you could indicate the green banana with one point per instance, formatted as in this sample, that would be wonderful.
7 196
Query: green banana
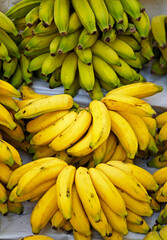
4 55
143 25
54 45
110 35
134 63
9 68
32 17
41 30
96 93
156 69
53 83
74 23
7 25
86 40
115 8
35 52
17 78
132 8
85 55
130 41
74 88
46 12
122 27
24 63
162 62
36 63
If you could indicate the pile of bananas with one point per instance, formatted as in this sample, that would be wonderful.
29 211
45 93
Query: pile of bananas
77 44
118 127
159 44
112 197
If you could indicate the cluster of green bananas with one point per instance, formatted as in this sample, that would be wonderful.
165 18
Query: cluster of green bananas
160 160
154 235
82 44
159 44
112 197
109 129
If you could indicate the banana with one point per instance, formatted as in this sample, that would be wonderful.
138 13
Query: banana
38 175
6 118
46 12
40 42
99 153
4 55
134 218
68 42
61 15
162 136
47 104
162 61
70 135
101 14
3 194
7 25
36 63
115 8
101 123
20 24
6 157
32 17
86 75
16 79
139 127
111 146
38 191
43 151
9 43
110 35
107 191
117 222
64 156
136 206
153 235
143 228
86 15
127 103
64 194
152 145
156 162
5 173
163 233
86 40
68 70
139 90
28 32
125 133
115 236
128 183
9 68
164 190
39 237
24 63
122 49
122 27
143 25
96 93
156 69
132 8
105 72
87 194
155 206
16 208
35 52
24 42
57 220
158 30
74 23
160 175
53 47
119 153
151 124
40 30
164 156
146 49
4 209
53 82
44 210
143 176
80 236
130 41
85 55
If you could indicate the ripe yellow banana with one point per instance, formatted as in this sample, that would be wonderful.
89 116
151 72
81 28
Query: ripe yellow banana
151 125
163 233
124 181
101 123
162 136
5 173
70 136
99 153
107 191
3 194
153 235
119 153
38 175
46 12
87 194
80 236
57 220
143 228
143 176
79 219
61 15
134 218
64 184
44 210
44 105
6 156
86 15
161 175
111 146
39 237
6 118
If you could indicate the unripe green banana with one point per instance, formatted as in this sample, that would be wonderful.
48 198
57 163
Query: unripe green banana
35 52
20 23
36 63
162 62
7 25
24 63
85 55
143 25
27 32
130 41
86 40
132 8
46 12
4 55
54 45
156 69
17 79
74 23
110 35
32 17
9 68
122 27
115 9
74 88
41 30
53 83
96 93
23 43
134 63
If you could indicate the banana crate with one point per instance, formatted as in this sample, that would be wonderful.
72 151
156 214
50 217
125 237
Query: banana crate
14 226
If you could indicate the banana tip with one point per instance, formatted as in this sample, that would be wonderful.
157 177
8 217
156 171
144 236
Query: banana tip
163 46
138 19
53 54
80 47
45 24
121 21
60 51
107 39
29 25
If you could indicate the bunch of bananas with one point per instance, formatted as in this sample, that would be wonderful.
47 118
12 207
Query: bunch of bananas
112 197
159 43
80 44
160 160
154 235
106 129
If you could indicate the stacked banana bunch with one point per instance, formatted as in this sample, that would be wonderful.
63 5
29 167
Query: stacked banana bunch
159 44
82 44
118 127
160 160
154 235
112 198
9 156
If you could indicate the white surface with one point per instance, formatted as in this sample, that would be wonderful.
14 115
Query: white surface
13 227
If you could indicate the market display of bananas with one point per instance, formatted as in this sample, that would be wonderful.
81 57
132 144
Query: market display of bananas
78 44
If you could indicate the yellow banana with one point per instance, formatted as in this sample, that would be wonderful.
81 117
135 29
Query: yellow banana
99 153
44 105
101 123
79 219
115 8
6 156
16 208
143 228
74 23
57 220
64 190
134 218
143 176
125 134
163 233
6 119
111 146
153 235
87 194
86 40
86 15
42 152
37 175
44 210
162 136
130 41
119 153
107 191
5 173
39 237
71 135
4 209
80 236
3 194
115 236
8 102
151 125
48 134
8 90
46 12
124 181
61 15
